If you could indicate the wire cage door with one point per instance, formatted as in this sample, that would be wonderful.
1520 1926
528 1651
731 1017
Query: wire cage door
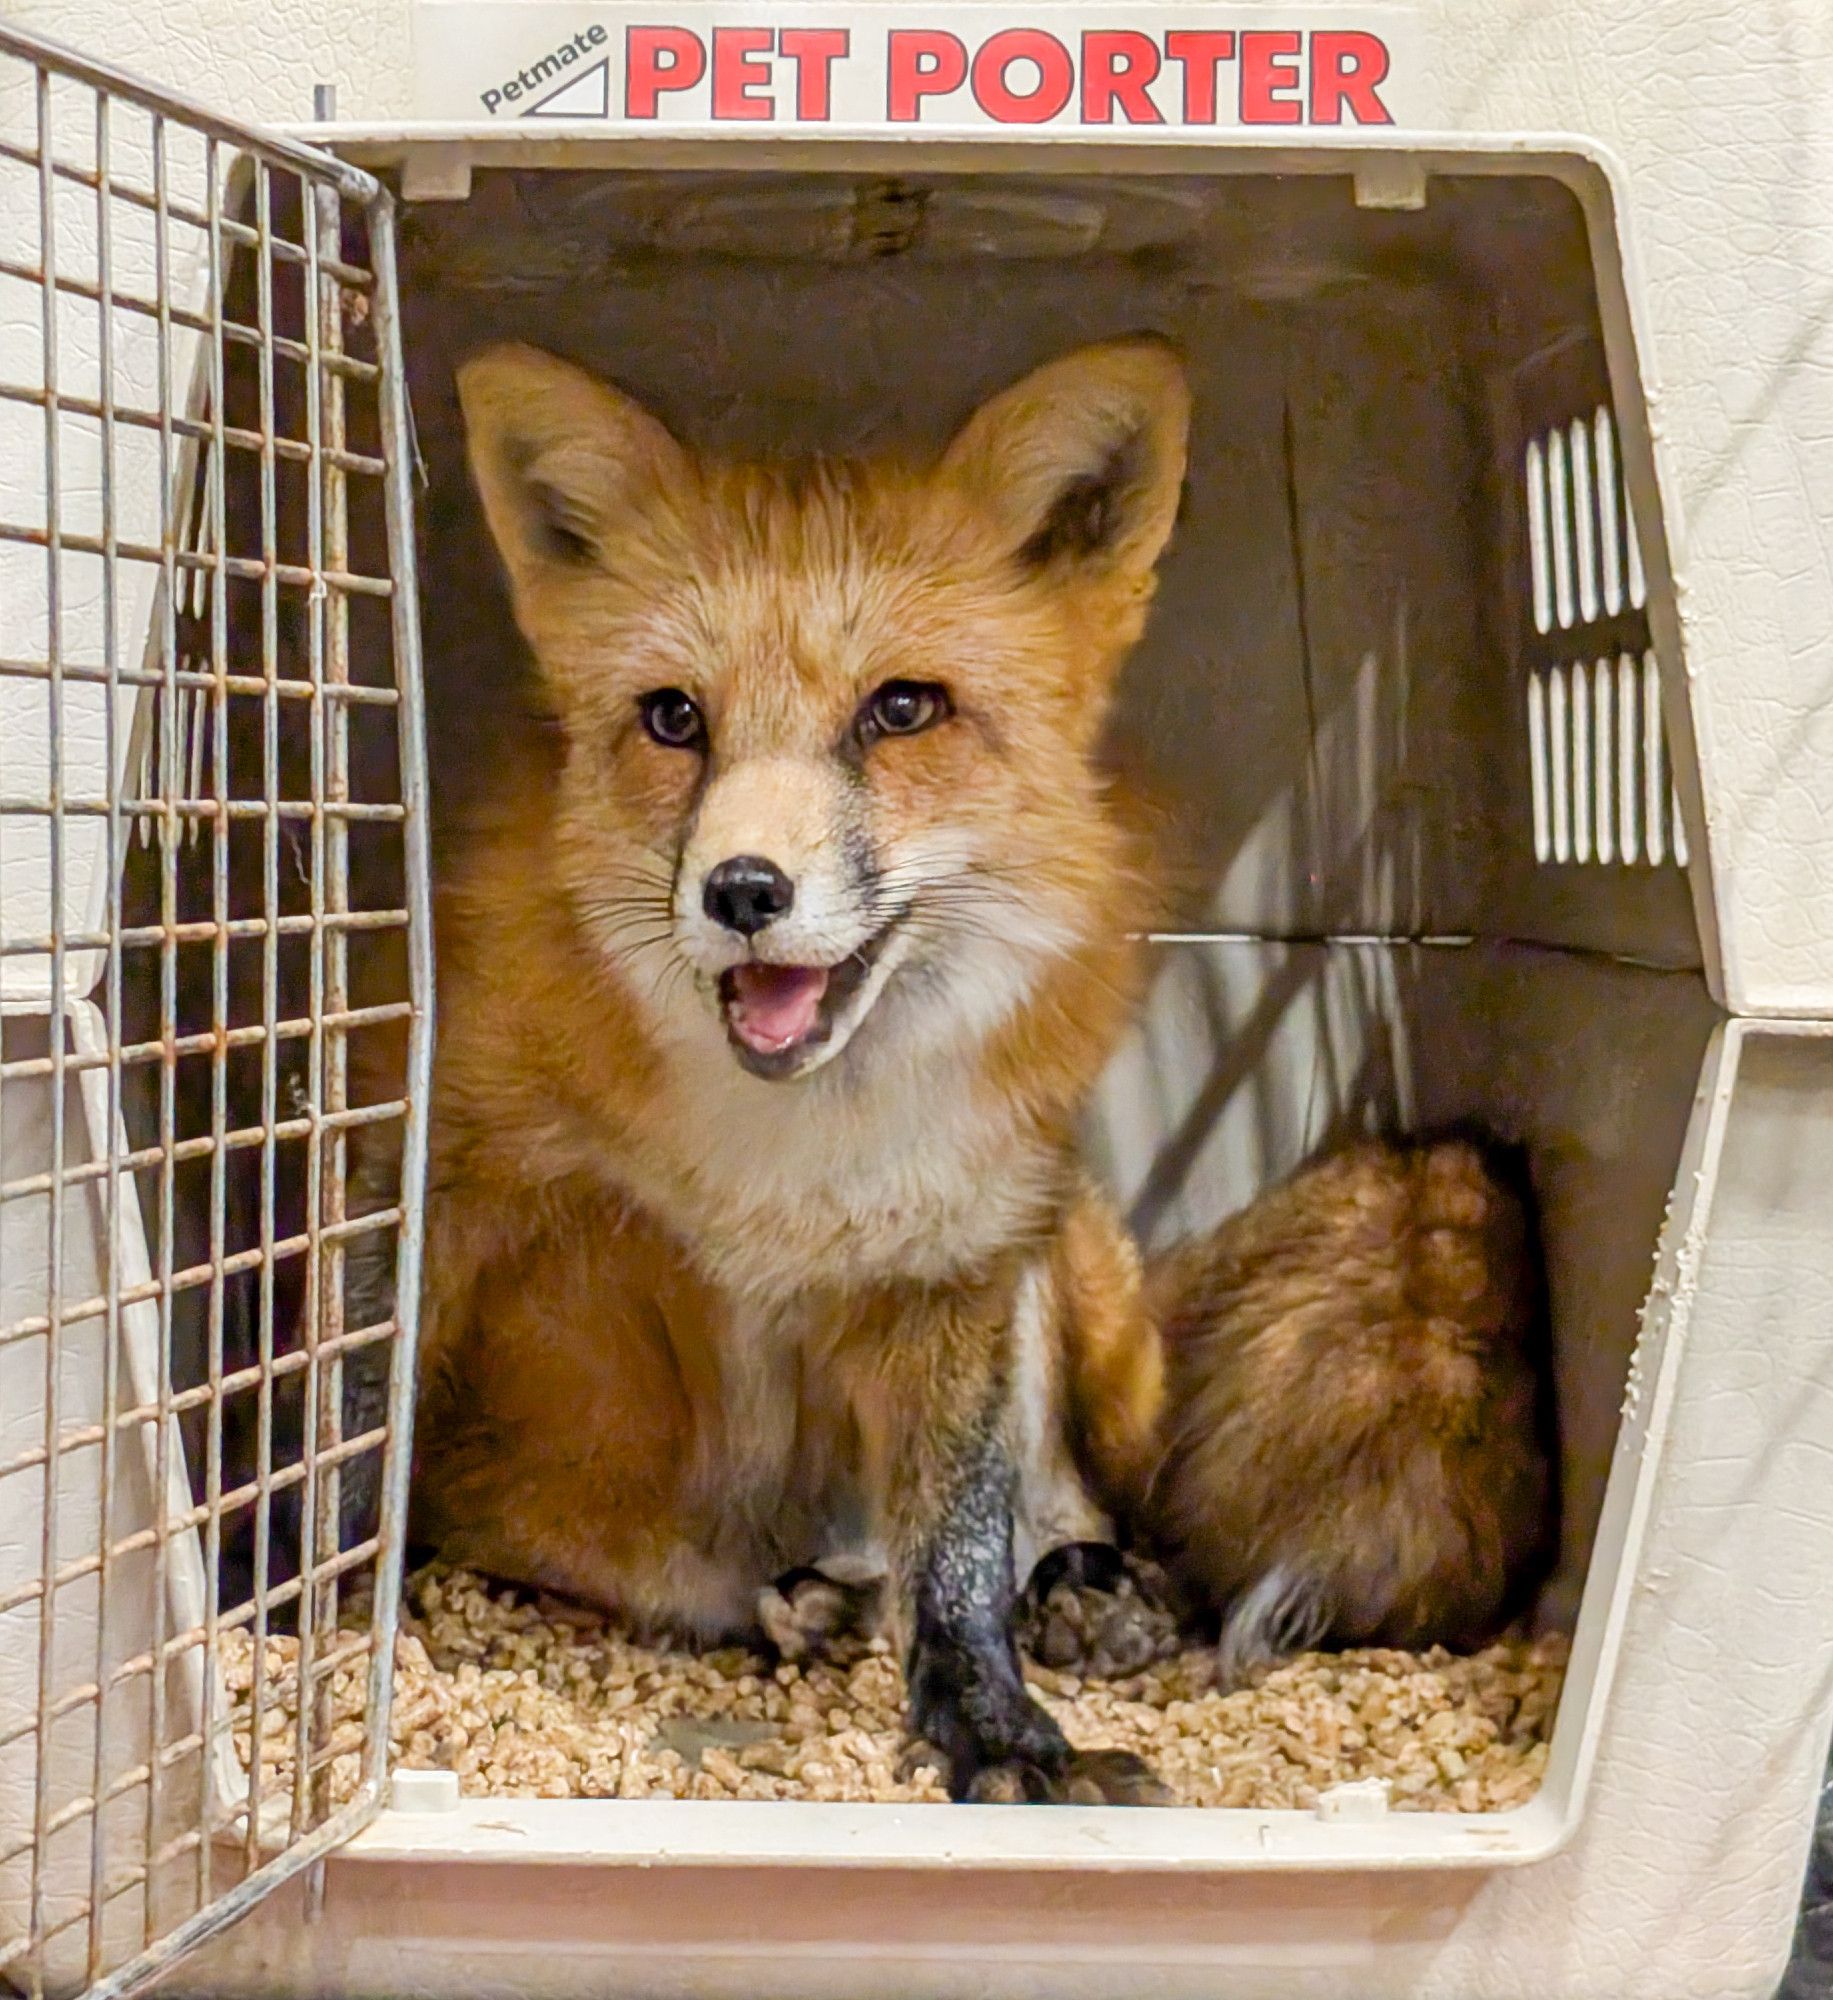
215 986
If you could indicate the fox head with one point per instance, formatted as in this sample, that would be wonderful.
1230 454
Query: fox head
828 777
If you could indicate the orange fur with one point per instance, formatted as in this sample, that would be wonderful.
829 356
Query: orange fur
1328 1413
685 1324
1117 1374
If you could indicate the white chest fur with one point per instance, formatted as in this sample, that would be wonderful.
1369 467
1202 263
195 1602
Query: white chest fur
839 1180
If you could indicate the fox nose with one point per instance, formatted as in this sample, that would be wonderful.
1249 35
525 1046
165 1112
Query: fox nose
746 893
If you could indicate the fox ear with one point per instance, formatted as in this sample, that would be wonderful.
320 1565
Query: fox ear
1083 461
558 458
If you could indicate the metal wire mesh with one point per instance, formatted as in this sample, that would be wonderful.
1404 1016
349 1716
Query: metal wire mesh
213 976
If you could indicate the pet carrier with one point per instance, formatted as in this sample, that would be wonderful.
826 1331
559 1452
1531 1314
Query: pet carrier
1479 816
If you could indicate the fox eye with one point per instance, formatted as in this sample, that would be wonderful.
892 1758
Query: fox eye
903 708
672 718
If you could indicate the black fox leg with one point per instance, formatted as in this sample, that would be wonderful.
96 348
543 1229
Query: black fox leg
369 1298
1079 1566
1092 1609
930 1382
967 1695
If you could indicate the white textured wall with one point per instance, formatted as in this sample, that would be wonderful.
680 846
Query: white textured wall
254 58
1719 113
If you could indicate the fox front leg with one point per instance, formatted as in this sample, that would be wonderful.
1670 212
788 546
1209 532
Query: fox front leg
967 1694
951 1481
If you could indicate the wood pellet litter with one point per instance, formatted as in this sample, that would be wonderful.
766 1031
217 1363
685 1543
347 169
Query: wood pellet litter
530 1699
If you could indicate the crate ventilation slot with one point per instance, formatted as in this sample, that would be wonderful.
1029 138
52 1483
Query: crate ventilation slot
1599 769
1582 545
1597 755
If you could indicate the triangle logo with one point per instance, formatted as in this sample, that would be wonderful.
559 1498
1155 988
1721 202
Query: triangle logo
588 95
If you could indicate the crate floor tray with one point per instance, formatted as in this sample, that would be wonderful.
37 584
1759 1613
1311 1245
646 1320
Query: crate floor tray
532 1700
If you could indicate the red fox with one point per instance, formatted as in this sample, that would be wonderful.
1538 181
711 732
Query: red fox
771 984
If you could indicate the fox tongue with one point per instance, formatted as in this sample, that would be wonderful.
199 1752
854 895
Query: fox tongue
776 1006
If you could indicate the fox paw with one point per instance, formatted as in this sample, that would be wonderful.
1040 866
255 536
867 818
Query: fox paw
807 1611
1087 1778
1089 1609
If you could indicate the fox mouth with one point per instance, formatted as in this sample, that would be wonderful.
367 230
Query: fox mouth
780 1018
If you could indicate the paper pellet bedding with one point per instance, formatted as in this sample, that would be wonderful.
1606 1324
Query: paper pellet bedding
530 1700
